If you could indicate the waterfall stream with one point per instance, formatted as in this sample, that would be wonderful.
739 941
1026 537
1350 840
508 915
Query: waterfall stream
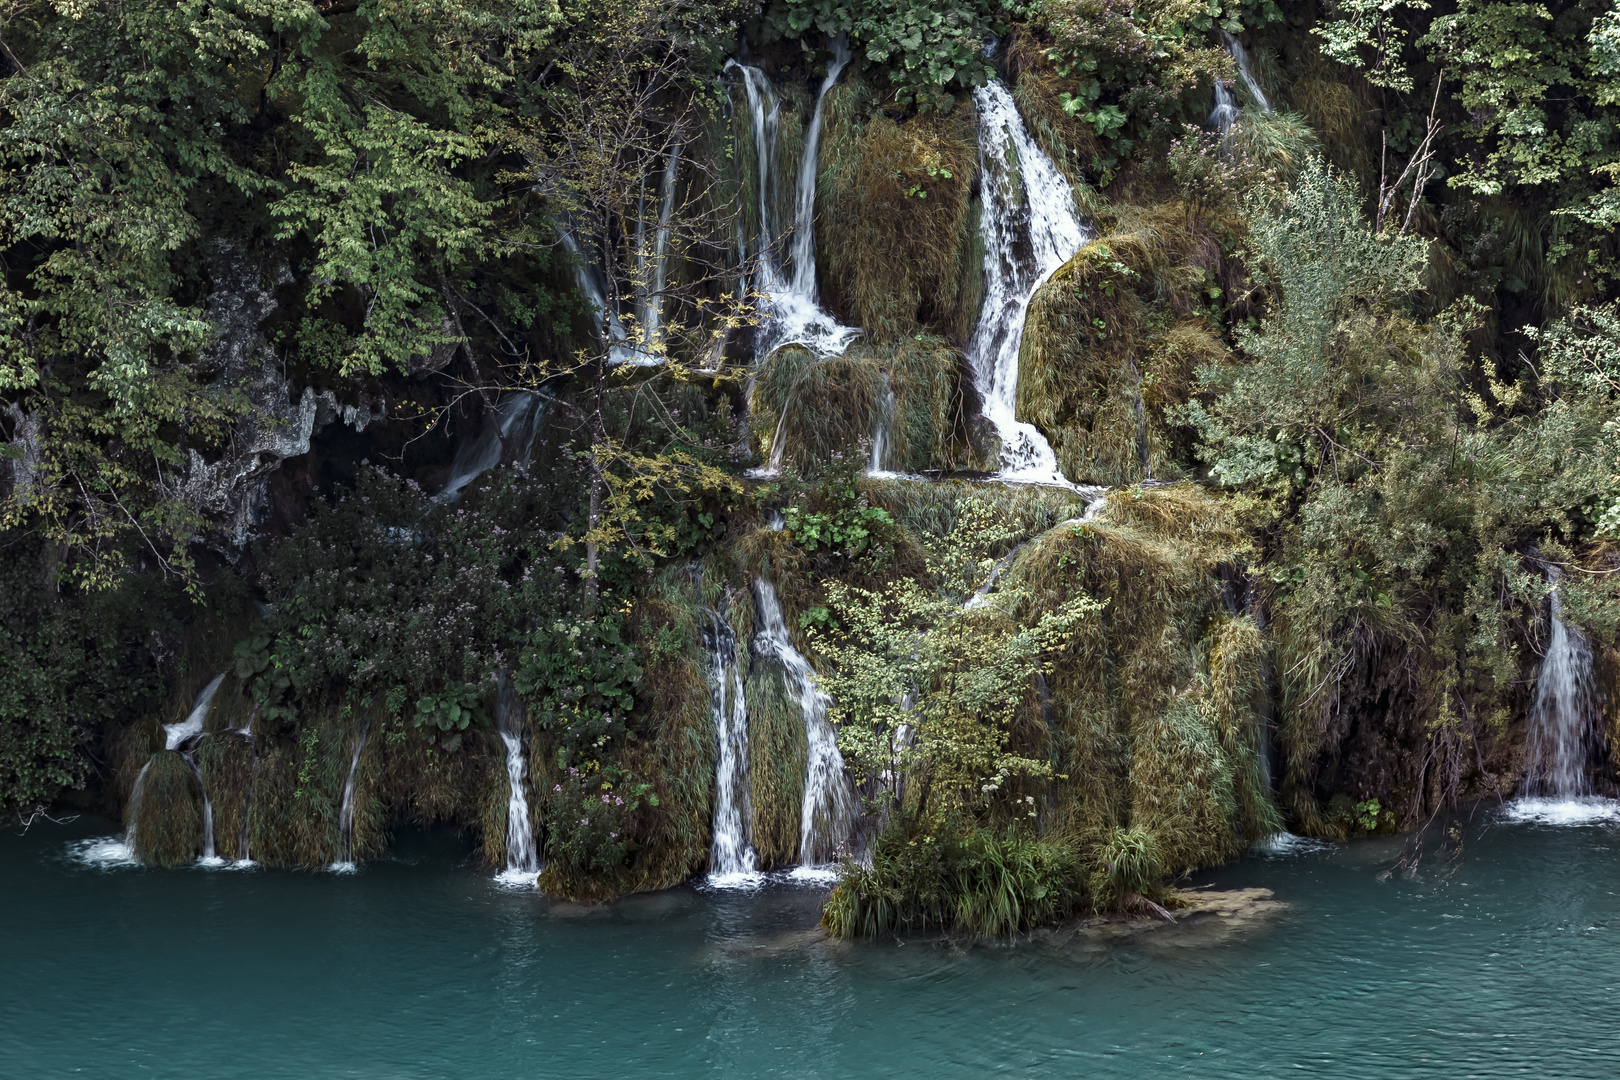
792 312
731 855
828 810
1031 228
1227 111
345 863
1564 718
522 853
516 424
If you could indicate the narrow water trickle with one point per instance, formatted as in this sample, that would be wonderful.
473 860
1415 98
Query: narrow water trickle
1031 228
192 725
1564 716
515 425
877 463
792 309
731 855
522 853
1227 111
346 863
828 810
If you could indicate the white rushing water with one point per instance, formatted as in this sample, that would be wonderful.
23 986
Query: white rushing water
346 863
731 855
792 312
828 810
635 338
1227 111
1562 730
192 725
522 853
1031 228
515 425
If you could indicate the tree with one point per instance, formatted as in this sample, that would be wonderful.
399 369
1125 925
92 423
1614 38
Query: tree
625 96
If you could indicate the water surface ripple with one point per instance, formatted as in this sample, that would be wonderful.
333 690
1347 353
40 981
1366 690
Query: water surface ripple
421 966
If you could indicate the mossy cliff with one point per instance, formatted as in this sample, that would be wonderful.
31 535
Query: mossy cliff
479 457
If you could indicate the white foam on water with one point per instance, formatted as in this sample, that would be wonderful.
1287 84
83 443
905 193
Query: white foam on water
343 868
814 875
1285 844
1590 810
748 881
103 853
518 879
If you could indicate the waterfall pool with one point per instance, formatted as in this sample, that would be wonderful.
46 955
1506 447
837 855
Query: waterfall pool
422 966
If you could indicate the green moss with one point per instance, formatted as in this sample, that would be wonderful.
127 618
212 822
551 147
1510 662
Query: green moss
1113 341
165 811
820 407
895 230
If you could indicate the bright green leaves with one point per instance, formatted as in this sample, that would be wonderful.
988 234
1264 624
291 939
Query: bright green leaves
442 718
930 49
1364 27
846 532
1530 84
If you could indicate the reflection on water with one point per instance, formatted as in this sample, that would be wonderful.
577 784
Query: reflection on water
421 966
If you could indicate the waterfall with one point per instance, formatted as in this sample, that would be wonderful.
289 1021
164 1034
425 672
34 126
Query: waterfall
522 853
516 424
1227 111
192 725
345 863
1031 228
875 465
731 856
1565 714
792 313
828 810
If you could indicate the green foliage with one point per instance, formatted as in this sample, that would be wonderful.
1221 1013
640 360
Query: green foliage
930 655
443 717
969 881
1128 863
930 49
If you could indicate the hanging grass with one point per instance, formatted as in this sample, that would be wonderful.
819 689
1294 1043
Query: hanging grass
226 762
165 811
895 228
1113 341
1137 730
777 759
820 407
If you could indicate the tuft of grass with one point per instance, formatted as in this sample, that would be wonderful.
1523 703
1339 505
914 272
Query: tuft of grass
165 811
895 229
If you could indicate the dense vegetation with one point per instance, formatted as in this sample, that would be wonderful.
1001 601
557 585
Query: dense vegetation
272 269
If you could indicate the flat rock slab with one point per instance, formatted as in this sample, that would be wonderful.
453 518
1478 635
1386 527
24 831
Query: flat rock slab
1207 917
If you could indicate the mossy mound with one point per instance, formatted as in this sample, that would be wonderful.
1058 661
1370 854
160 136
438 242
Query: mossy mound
1155 705
821 407
1113 341
165 811
898 245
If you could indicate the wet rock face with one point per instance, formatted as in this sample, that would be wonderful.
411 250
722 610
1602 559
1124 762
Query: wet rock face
233 489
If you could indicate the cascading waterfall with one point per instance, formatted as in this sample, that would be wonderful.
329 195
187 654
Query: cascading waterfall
828 810
1031 228
1564 717
516 424
522 853
877 463
345 863
792 311
1227 111
639 343
192 725
175 737
731 855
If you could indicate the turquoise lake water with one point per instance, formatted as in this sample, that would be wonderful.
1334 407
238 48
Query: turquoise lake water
1505 963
